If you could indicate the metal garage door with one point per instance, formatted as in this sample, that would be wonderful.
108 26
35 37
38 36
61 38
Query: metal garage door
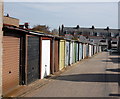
77 52
73 55
90 51
67 55
80 51
45 70
11 47
87 50
56 56
62 55
33 59
71 52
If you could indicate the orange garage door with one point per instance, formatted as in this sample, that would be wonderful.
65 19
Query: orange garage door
11 47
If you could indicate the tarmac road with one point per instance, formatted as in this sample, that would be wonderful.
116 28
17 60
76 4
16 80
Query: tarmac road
94 77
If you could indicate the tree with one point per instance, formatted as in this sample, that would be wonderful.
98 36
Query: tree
41 28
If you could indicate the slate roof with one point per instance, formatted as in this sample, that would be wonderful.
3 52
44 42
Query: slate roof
90 30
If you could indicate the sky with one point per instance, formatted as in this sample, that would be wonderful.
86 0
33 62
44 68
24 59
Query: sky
61 0
54 14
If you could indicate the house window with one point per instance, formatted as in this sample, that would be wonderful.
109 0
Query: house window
95 33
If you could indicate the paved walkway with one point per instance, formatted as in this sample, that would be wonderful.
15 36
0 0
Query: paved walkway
95 77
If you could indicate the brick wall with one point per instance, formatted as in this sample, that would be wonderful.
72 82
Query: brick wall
11 21
1 35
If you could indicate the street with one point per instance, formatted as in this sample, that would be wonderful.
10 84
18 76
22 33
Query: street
94 77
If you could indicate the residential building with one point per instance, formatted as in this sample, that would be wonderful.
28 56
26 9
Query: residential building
101 35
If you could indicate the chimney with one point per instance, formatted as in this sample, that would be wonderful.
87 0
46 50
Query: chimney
107 28
7 15
93 27
59 30
62 27
77 27
26 25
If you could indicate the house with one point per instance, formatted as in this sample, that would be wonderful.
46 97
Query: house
114 43
103 35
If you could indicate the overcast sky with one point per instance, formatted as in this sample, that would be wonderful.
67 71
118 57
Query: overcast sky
85 14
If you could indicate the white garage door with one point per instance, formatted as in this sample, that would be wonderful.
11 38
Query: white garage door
45 70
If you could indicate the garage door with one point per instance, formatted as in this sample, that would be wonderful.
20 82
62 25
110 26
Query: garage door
80 51
56 56
33 70
45 58
11 47
67 54
71 44
62 55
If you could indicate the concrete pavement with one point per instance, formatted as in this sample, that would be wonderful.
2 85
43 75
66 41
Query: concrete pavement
95 77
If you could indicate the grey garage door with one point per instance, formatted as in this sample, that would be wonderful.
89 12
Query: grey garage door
33 65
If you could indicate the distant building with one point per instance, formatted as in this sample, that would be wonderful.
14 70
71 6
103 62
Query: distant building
114 43
101 35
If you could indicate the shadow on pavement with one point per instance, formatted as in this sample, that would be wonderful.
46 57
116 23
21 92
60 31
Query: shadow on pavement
114 60
90 78
114 54
114 70
114 94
